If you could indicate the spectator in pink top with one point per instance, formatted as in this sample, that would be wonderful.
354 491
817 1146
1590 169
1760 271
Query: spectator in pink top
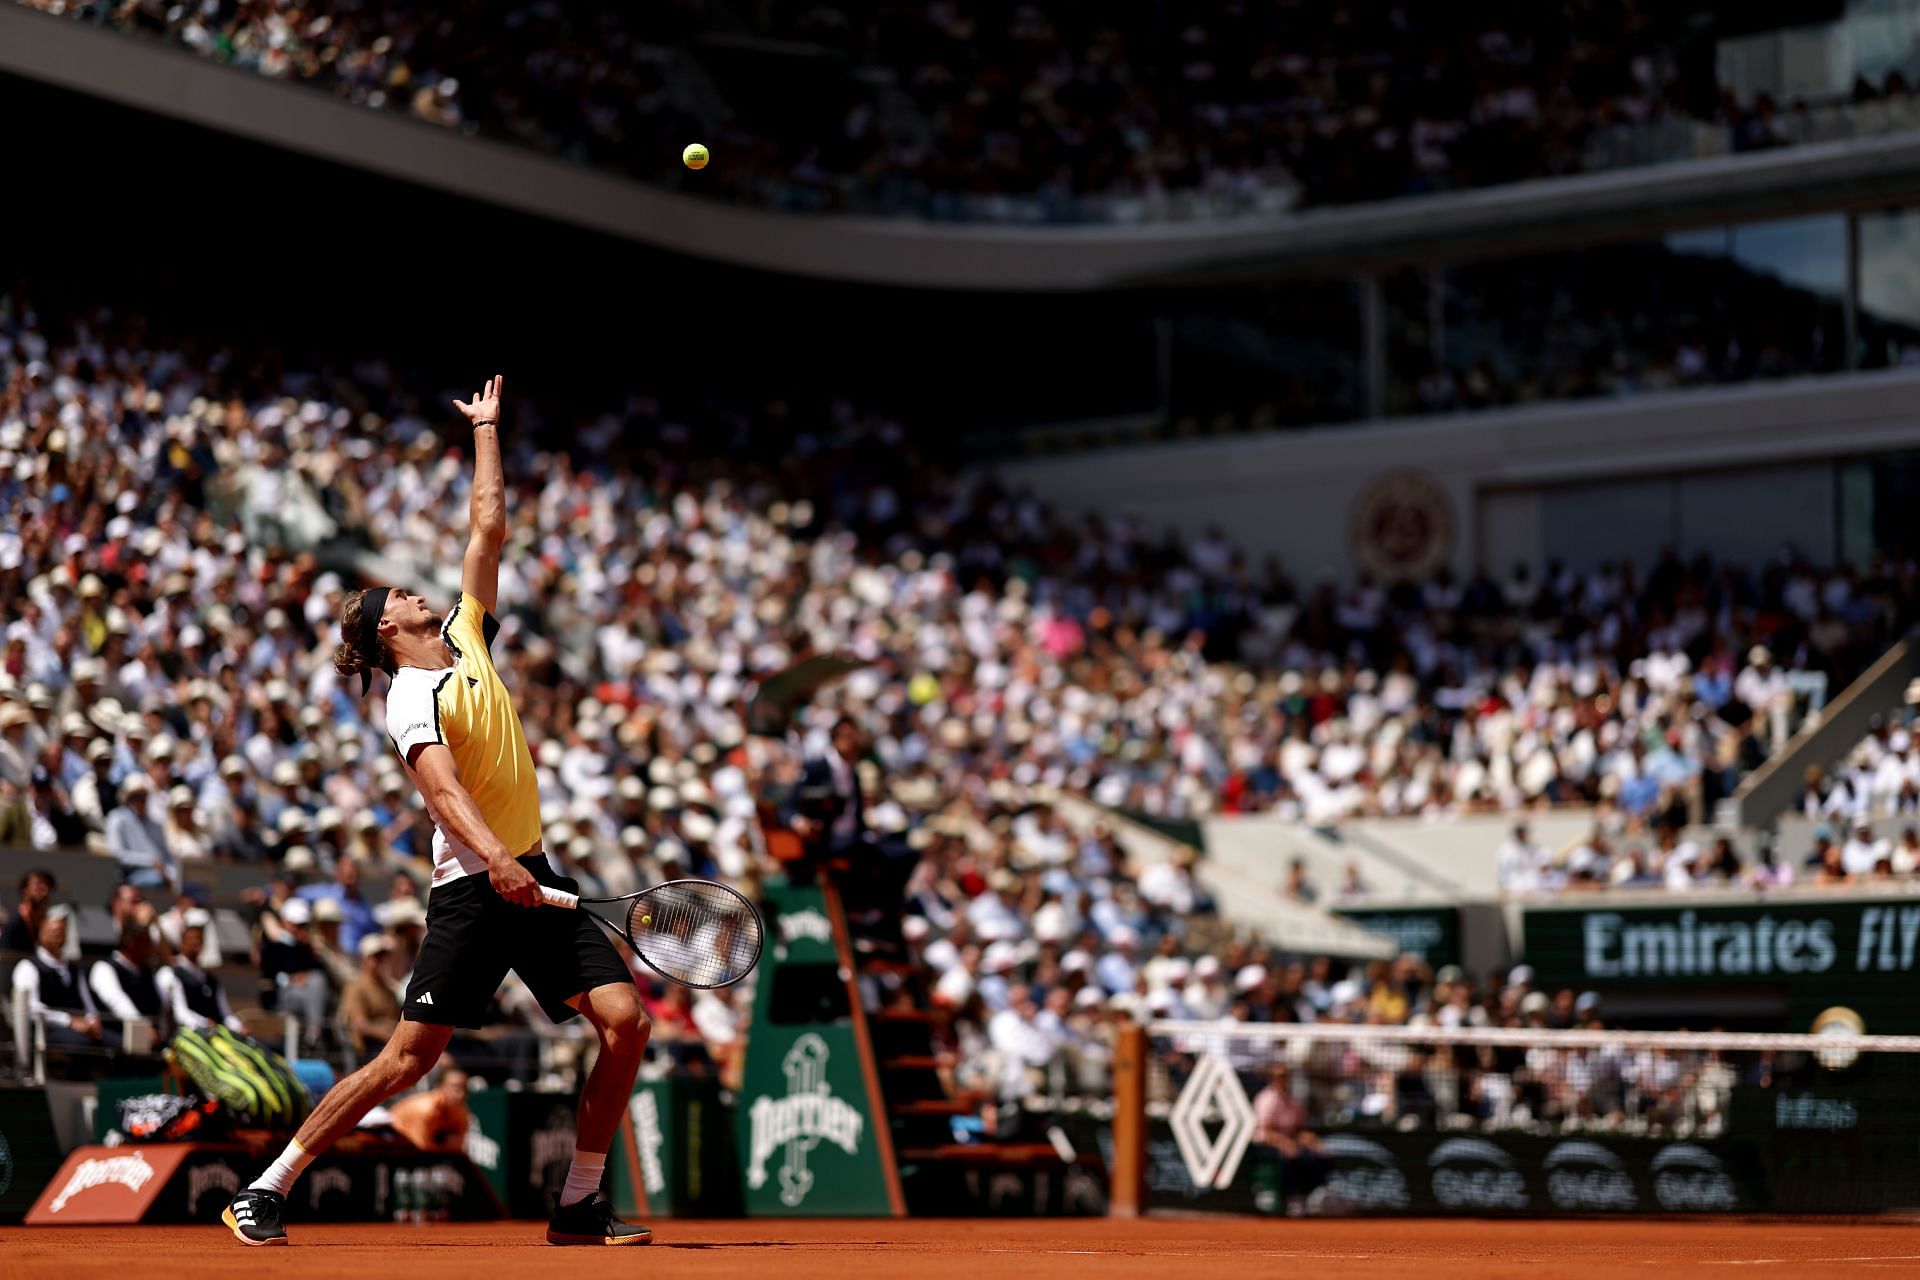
1281 1138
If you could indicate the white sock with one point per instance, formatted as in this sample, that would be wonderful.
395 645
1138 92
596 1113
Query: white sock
583 1175
280 1174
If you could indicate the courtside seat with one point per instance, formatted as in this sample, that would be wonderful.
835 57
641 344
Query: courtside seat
231 933
94 928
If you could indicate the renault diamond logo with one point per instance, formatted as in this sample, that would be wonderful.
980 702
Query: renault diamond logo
1213 1087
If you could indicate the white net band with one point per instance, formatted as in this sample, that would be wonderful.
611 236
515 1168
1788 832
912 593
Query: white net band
1679 1041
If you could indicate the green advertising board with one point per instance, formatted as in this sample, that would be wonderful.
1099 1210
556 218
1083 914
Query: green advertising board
30 1154
804 1129
1430 933
1860 953
523 1143
682 1153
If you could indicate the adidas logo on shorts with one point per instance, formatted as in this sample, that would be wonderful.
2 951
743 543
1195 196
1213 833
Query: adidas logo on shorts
425 998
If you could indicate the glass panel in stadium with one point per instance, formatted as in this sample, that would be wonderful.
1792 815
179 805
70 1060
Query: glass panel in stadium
1889 287
1715 306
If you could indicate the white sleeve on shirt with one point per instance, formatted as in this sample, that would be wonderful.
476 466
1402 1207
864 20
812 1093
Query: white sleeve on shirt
228 1017
105 981
175 995
27 978
413 714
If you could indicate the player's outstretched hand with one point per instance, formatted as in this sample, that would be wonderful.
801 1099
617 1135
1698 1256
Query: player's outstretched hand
484 409
515 883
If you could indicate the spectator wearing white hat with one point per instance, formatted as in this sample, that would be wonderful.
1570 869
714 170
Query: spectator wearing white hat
173 926
186 841
294 970
996 913
16 751
1763 687
356 913
369 1009
95 795
403 898
75 734
1206 993
363 830
1159 969
1116 969
1024 1046
1863 851
341 965
285 795
194 997
958 978
40 723
996 962
136 841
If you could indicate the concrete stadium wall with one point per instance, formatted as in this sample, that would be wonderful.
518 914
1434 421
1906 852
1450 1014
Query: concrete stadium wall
1735 471
1409 861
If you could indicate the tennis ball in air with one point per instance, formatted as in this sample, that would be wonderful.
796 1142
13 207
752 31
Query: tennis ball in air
646 920
695 156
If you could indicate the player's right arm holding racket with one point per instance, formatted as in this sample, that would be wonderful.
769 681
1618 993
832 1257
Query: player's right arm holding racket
453 807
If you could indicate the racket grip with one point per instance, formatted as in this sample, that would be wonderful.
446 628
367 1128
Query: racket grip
559 897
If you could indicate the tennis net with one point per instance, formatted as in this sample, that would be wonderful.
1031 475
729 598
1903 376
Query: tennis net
1332 1118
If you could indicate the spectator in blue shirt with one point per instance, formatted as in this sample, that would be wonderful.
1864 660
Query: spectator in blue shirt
356 913
137 841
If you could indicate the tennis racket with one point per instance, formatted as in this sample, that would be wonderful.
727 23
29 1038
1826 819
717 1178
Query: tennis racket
693 932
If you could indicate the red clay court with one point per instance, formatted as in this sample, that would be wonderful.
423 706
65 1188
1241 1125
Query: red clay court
936 1250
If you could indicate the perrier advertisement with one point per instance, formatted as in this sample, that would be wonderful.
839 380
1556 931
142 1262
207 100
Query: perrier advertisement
804 1130
1863 953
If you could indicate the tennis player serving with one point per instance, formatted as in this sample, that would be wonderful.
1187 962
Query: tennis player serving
452 721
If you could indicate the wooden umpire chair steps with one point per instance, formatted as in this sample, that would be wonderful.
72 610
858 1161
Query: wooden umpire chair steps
917 1162
932 1165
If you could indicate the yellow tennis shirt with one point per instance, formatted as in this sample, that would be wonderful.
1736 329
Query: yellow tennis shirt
466 708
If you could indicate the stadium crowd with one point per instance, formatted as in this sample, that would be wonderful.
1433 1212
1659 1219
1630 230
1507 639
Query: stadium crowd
165 698
996 108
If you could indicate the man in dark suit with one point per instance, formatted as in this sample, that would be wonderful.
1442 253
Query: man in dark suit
828 810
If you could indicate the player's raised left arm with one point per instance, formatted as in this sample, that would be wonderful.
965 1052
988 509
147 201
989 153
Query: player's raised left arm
480 573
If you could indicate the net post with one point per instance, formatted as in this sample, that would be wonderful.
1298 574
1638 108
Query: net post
1127 1198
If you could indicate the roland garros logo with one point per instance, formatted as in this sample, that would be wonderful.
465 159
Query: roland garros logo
800 1121
132 1172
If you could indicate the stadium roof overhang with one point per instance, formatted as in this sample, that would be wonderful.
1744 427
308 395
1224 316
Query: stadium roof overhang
906 252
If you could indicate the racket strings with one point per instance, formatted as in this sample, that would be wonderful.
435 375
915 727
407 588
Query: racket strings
696 932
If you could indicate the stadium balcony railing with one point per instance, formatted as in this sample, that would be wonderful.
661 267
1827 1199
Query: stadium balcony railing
1721 895
1678 141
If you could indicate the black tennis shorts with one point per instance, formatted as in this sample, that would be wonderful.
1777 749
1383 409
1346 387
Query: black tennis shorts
474 936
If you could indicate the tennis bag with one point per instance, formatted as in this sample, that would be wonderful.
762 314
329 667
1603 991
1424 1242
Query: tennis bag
172 1117
256 1085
